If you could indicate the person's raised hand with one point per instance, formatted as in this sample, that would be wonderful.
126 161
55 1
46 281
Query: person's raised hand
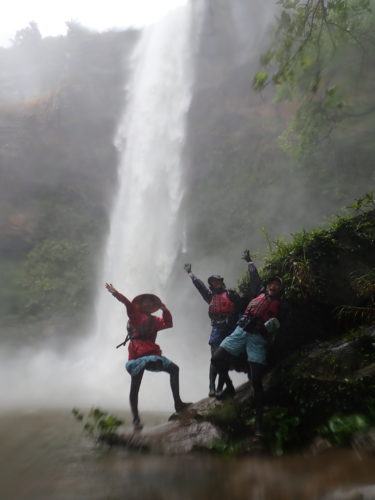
110 288
246 256
187 268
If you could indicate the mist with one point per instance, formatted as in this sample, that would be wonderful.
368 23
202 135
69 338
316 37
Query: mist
74 171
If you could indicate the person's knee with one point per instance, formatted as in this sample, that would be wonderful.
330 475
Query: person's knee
216 362
220 360
218 355
173 369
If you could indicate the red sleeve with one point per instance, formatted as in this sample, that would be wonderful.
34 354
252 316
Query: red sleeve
129 306
166 321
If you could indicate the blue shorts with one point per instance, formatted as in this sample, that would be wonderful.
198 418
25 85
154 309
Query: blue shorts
254 344
235 343
151 363
256 348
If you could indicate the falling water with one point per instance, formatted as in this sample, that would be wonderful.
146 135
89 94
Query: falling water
145 235
144 241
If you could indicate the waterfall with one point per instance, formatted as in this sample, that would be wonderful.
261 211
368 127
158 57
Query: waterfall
145 235
143 240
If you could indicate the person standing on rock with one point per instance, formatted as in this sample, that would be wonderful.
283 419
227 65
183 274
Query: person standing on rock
144 353
253 333
223 313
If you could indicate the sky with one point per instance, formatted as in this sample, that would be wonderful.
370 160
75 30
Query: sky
51 15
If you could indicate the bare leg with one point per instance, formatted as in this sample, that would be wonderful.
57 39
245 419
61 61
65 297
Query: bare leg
174 371
213 373
256 375
221 361
134 390
212 378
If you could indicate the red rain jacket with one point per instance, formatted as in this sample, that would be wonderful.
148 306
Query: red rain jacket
143 329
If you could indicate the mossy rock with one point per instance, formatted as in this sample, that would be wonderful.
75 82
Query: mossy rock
336 377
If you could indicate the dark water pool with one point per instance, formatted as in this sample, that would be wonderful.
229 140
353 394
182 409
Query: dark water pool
45 455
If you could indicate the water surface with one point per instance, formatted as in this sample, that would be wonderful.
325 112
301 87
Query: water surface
45 455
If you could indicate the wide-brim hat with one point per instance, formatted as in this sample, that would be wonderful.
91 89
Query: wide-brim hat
151 297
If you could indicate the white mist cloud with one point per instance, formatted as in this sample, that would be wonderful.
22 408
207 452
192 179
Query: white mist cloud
51 16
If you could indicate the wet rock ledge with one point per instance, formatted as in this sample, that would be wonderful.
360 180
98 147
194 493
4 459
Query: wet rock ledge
182 434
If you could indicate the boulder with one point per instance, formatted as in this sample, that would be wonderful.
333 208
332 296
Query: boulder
182 434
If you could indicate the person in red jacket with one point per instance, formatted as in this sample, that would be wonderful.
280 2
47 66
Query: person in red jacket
144 353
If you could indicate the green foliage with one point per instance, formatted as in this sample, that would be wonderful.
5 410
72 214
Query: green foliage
363 284
14 299
226 447
237 421
231 417
318 56
299 261
355 314
259 80
323 387
57 276
282 429
58 168
355 333
364 203
99 424
340 428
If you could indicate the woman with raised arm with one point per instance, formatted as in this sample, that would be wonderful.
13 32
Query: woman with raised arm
144 353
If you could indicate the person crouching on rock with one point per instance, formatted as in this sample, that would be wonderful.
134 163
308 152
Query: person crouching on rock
144 353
